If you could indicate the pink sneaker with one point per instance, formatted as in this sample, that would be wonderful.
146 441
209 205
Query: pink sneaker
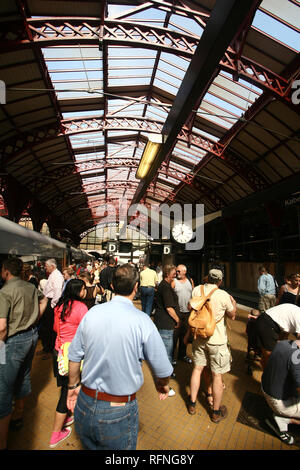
68 421
58 437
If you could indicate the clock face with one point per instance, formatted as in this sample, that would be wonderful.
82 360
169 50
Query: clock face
182 233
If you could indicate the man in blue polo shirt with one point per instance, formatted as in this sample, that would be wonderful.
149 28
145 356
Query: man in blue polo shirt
267 290
113 339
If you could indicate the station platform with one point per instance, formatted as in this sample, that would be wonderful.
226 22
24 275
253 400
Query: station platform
164 425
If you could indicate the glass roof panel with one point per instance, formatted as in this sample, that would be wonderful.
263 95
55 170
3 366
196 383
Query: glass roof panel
186 25
277 30
83 114
74 71
165 85
87 139
287 11
121 72
148 15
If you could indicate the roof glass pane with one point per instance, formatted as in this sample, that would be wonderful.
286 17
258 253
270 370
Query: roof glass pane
223 104
115 10
83 114
82 140
287 11
147 16
70 71
277 30
186 25
177 64
165 85
168 77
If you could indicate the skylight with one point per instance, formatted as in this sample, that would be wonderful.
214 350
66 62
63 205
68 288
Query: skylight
278 30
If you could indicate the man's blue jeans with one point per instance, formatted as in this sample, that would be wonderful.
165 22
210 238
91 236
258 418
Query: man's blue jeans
15 372
167 337
147 296
101 426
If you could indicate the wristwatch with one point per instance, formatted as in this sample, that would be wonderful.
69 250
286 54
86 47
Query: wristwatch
72 387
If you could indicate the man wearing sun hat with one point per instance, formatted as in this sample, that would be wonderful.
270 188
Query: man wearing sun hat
213 352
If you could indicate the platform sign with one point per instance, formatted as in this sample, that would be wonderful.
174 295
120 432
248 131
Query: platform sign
112 247
167 249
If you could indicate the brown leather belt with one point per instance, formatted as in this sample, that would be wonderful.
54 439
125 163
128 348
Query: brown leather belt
106 396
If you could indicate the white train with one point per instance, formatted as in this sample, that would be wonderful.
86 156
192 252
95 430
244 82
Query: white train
31 246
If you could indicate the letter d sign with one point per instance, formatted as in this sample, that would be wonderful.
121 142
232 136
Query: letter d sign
112 247
167 249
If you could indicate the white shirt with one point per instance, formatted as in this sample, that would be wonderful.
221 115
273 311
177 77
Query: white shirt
54 287
287 316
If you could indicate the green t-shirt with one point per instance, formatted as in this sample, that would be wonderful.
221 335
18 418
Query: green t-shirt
19 304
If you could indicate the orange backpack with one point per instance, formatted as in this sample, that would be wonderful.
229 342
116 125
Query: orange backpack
202 320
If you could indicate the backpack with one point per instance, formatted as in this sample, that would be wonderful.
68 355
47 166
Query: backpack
201 320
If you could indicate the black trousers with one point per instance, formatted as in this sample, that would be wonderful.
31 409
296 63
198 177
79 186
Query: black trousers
179 334
62 382
46 333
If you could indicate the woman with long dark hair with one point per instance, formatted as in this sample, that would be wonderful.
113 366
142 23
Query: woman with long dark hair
68 313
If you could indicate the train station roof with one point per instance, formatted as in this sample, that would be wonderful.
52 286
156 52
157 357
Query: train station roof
87 82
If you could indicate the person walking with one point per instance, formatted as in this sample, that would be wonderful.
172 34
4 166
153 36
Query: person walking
21 306
52 291
112 340
167 311
68 314
183 288
106 276
148 282
91 290
267 290
68 274
212 352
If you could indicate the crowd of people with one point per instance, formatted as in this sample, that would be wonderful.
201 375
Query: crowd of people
90 307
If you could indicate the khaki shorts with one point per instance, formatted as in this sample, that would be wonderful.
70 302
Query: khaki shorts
216 356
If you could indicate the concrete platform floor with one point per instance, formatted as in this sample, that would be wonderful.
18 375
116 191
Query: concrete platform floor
164 425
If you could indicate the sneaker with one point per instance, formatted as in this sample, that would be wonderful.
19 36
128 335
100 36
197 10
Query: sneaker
174 362
172 392
58 437
218 415
284 436
68 421
173 375
282 422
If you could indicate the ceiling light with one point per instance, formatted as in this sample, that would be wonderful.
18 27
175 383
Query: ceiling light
150 152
